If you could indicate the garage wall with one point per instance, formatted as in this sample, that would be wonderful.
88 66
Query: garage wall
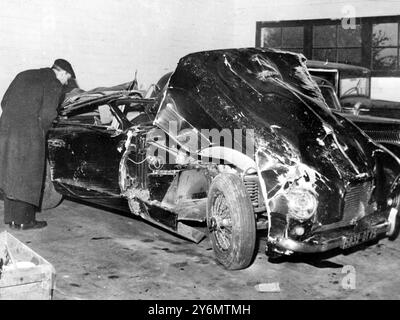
107 40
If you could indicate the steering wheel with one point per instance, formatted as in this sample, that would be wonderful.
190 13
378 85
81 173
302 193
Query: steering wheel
356 89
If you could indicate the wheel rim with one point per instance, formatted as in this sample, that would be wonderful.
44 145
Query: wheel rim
220 222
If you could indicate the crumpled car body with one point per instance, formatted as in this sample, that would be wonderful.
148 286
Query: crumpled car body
237 140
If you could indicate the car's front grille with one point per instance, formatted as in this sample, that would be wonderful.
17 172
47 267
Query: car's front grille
384 136
251 184
356 201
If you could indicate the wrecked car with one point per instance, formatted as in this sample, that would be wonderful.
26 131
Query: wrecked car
232 142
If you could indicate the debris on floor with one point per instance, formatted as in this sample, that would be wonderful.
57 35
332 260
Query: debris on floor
268 287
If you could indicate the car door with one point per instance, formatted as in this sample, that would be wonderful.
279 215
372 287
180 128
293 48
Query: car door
84 152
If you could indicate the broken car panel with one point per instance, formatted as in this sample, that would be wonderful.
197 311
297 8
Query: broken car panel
313 181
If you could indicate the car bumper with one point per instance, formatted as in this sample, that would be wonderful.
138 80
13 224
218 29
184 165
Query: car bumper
346 240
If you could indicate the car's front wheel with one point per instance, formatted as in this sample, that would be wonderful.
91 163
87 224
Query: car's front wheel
231 222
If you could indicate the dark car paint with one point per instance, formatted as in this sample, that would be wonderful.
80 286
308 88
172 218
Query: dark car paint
89 158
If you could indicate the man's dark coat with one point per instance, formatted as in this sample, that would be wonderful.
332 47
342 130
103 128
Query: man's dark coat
29 107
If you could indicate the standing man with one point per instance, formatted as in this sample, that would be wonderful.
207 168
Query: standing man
29 107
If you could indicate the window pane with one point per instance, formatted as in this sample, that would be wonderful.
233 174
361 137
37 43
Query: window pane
271 37
324 54
349 56
384 59
385 34
292 37
354 86
324 36
349 37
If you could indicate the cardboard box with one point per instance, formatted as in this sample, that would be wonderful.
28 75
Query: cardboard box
24 275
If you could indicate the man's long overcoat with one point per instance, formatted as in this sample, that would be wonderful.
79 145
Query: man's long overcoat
29 107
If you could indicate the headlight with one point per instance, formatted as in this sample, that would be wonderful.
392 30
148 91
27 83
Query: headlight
302 204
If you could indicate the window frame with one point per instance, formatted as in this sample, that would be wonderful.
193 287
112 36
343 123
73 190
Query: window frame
337 47
286 25
366 24
387 47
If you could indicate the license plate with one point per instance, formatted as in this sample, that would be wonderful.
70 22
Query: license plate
358 238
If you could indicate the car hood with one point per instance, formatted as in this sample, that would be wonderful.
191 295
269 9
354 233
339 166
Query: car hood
272 93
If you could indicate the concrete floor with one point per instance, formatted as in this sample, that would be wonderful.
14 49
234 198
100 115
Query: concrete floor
100 254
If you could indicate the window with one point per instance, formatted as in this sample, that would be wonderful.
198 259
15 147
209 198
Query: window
292 37
385 46
285 38
374 43
271 37
354 86
333 43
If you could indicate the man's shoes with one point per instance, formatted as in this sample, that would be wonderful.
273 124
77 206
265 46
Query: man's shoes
30 225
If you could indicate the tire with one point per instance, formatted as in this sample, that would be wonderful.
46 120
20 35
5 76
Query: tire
51 198
231 222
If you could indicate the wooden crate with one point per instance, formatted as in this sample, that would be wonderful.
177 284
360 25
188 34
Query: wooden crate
24 274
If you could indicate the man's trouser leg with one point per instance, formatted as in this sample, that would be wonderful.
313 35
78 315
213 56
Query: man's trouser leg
18 212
